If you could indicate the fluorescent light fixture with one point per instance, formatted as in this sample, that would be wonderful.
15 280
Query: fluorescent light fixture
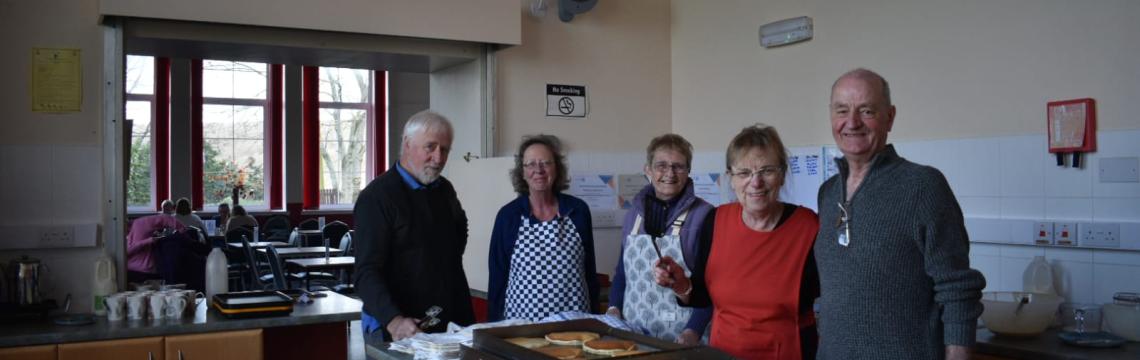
785 31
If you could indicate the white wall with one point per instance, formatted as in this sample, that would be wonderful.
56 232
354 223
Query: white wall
479 21
619 51
957 68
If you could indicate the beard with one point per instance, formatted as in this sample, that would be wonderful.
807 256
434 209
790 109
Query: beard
428 174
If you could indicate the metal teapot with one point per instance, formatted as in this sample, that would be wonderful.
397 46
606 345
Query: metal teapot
24 280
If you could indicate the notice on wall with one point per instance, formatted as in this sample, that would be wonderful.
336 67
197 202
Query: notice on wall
566 100
707 186
628 187
598 191
57 80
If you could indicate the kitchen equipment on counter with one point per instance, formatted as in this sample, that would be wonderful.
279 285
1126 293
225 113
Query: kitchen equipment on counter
102 283
1014 313
492 343
69 319
1038 277
24 276
1080 317
249 304
1090 339
1122 316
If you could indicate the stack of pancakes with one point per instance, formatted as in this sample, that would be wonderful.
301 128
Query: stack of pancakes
580 340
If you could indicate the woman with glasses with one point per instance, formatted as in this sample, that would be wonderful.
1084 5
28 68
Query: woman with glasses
754 265
542 246
665 219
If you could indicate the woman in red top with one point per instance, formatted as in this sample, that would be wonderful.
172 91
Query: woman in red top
755 264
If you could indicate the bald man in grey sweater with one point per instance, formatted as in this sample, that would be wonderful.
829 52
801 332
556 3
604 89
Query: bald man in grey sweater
892 249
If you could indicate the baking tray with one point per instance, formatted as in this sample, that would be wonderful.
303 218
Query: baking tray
490 344
252 299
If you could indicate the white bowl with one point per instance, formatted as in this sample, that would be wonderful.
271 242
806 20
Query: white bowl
1122 320
1003 316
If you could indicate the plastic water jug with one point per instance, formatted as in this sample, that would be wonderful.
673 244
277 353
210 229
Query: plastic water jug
217 279
103 284
1038 277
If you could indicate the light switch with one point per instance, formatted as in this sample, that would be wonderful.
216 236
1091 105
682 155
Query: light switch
1120 170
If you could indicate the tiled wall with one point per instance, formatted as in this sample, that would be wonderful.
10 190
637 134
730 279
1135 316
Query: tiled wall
1015 178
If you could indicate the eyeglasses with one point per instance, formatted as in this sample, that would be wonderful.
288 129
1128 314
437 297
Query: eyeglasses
662 167
535 164
767 173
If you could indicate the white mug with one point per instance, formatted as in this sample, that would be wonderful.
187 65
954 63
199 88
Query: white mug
172 287
175 305
116 304
193 298
157 306
136 307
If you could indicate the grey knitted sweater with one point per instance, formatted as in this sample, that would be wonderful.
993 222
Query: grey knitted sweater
903 287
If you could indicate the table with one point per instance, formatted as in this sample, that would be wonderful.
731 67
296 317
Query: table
310 237
299 252
259 244
322 264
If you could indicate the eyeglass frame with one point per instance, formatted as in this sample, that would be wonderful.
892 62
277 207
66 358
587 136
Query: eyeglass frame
661 167
766 172
535 164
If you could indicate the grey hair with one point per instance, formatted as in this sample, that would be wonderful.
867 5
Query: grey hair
866 74
424 121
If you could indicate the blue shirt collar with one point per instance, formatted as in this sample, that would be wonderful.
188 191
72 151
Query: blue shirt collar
411 180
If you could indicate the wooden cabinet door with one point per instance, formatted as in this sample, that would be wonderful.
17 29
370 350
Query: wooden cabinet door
41 352
235 345
126 349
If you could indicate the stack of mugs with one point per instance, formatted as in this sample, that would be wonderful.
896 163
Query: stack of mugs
169 302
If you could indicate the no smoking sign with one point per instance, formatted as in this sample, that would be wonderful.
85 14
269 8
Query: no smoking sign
566 100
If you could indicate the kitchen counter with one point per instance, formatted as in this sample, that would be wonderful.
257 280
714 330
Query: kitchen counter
1048 347
331 309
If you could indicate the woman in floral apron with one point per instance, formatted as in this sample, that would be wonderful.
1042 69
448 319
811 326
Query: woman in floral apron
669 213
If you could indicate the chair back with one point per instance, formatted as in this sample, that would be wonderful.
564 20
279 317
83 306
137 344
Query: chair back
346 244
196 234
309 224
235 235
279 281
251 260
277 228
334 231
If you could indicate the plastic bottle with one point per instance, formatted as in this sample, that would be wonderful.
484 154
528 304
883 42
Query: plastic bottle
1038 277
256 233
103 283
217 279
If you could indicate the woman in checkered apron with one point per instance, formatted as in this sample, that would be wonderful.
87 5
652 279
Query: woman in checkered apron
542 247
668 212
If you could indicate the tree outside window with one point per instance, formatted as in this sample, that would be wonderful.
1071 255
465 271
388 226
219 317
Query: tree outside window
233 131
346 101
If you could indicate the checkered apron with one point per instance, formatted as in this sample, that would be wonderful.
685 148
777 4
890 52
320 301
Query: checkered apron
546 275
646 304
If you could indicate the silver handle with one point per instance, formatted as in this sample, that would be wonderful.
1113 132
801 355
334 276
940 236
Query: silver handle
179 354
149 355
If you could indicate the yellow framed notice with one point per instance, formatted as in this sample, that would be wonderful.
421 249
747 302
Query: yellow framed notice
57 80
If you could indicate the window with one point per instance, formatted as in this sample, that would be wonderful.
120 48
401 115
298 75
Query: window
345 115
234 132
139 89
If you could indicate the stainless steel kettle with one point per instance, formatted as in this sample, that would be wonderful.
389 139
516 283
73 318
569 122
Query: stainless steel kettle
24 280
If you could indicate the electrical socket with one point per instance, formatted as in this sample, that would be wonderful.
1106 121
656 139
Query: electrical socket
1099 235
57 236
1065 233
1043 233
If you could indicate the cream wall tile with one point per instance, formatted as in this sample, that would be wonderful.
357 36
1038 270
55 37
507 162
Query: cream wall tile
990 267
1109 279
1069 209
22 183
985 249
1021 252
976 174
1073 280
1022 162
1068 182
1117 257
980 206
1032 208
1012 270
1116 209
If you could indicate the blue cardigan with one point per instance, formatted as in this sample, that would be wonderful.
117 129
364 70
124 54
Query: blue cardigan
503 238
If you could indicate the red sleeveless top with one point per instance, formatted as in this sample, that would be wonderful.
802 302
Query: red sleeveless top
754 281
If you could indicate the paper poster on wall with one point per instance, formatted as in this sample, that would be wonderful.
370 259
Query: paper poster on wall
801 183
707 186
628 187
829 155
566 100
598 191
57 80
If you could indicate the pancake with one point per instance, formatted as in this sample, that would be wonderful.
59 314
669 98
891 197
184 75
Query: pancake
529 343
560 352
608 347
628 353
570 337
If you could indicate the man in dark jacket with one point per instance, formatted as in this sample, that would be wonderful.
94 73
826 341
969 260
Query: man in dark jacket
410 236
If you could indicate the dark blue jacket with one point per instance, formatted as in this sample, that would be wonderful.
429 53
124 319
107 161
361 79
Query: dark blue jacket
505 234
